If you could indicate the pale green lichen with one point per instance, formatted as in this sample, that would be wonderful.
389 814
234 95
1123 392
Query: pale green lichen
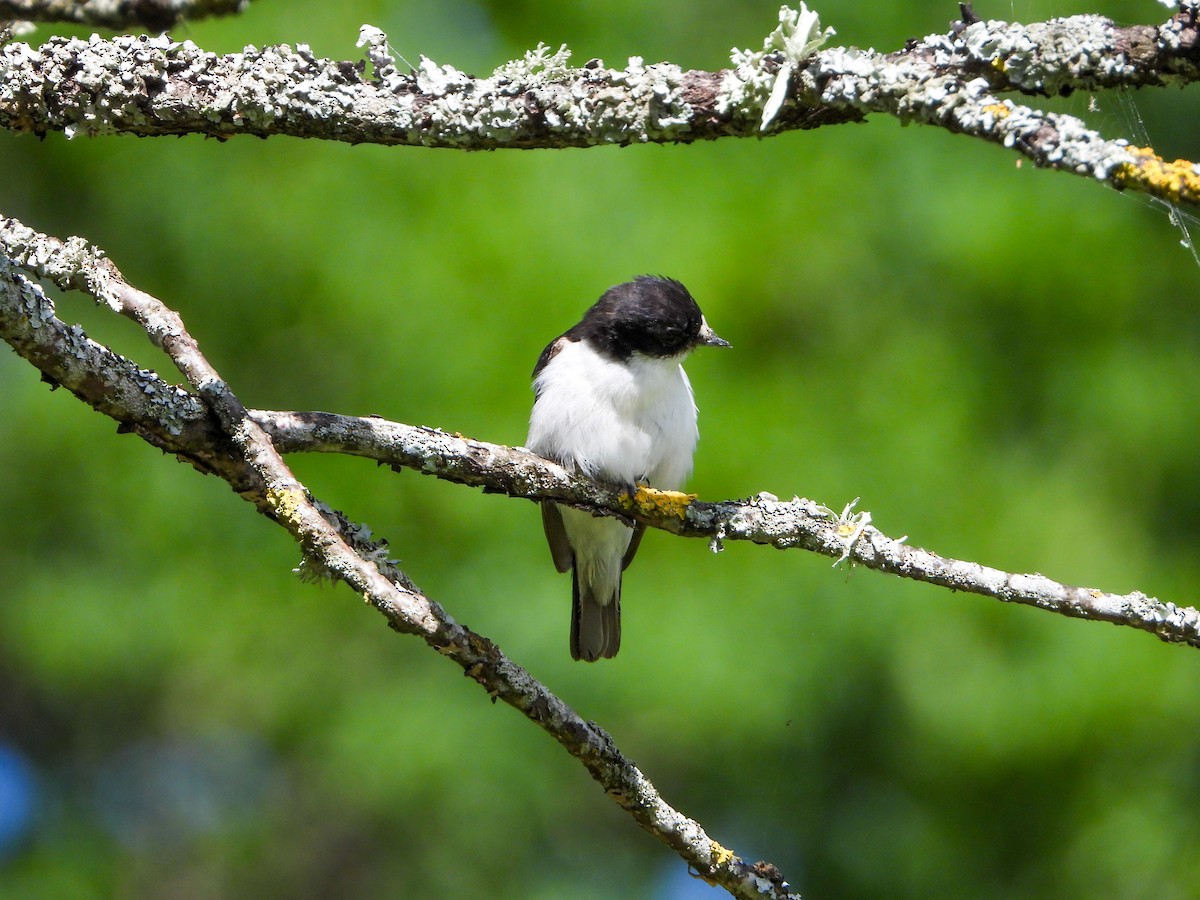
760 78
541 87
540 62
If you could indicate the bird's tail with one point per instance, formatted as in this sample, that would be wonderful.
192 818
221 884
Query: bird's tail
595 622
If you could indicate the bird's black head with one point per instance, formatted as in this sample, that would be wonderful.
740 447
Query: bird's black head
651 315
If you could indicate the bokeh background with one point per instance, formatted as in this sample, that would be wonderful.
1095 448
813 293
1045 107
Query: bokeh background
1001 362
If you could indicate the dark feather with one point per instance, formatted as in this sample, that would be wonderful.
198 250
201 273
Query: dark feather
650 315
556 537
595 628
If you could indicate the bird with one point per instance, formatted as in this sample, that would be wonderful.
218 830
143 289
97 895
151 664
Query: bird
611 401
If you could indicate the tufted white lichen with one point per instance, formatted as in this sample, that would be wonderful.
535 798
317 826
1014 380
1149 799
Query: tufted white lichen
761 78
1048 56
438 81
378 53
536 62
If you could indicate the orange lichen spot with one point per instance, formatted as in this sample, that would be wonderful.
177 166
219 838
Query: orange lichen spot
998 110
651 500
1175 181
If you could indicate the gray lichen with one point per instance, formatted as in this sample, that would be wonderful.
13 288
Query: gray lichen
154 86
929 87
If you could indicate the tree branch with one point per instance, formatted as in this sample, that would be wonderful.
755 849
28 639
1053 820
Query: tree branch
155 86
175 421
334 546
762 519
153 15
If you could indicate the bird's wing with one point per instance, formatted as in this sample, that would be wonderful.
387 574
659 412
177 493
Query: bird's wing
556 537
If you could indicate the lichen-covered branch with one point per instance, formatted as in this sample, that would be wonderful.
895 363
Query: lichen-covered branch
762 519
954 81
211 424
176 421
155 86
153 15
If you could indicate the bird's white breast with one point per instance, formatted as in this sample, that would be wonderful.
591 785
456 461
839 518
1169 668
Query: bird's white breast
619 421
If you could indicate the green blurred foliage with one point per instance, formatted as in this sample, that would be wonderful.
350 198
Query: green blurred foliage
1001 362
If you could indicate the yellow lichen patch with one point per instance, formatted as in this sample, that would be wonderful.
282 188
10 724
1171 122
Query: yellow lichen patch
286 502
720 855
651 500
998 110
1176 181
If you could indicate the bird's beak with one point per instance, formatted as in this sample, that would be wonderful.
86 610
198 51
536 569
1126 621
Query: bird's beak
709 338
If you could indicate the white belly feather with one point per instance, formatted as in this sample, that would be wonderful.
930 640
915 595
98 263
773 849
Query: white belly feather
620 422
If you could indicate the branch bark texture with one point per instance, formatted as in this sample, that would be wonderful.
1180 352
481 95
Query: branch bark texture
155 86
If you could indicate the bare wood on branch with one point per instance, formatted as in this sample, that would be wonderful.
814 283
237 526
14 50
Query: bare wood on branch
155 86
210 428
